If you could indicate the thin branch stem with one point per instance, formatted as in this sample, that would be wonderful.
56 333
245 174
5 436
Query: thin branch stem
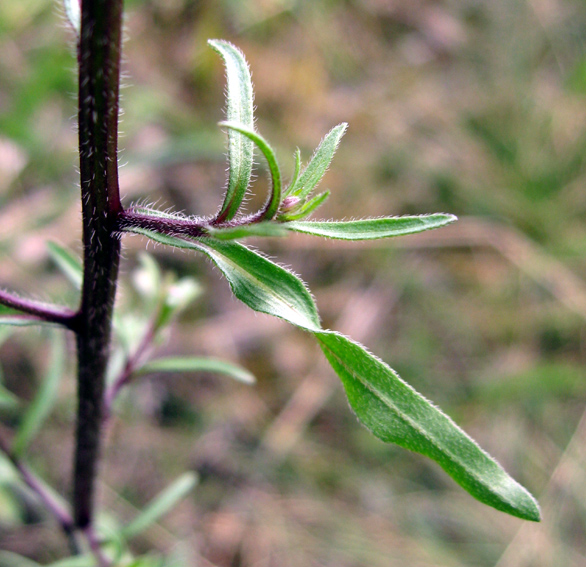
43 311
163 225
99 76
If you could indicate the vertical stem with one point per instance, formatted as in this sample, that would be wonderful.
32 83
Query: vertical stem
99 75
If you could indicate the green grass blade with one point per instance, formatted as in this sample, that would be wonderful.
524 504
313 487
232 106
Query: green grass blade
275 199
239 110
394 412
372 229
319 163
69 265
197 364
44 400
160 505
259 283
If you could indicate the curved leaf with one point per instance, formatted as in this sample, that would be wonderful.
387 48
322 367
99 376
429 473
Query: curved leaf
274 200
371 229
259 283
197 364
239 110
394 412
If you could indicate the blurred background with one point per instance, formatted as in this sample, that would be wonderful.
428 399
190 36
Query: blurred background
460 106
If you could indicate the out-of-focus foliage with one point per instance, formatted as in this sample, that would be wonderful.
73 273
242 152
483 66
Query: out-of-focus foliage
476 109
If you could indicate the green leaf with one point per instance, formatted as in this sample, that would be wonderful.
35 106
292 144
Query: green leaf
240 111
274 200
371 229
24 321
296 172
7 399
177 297
161 504
318 164
305 209
45 398
264 229
76 561
394 412
259 283
9 559
197 364
67 263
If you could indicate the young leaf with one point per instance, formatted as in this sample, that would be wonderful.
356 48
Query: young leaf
239 110
256 229
394 412
259 283
67 263
161 504
197 364
296 172
371 229
306 208
274 200
318 164
45 398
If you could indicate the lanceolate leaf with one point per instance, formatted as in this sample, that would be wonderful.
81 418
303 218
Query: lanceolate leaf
240 111
67 263
395 412
196 364
161 504
245 231
275 198
318 164
371 229
45 398
263 285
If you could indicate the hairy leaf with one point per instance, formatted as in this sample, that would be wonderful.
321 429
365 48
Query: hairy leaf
393 411
197 364
73 13
371 229
256 229
239 110
274 200
259 283
160 505
319 163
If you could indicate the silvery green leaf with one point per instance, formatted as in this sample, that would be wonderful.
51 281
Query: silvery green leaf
371 229
259 283
319 163
160 505
394 412
45 398
69 265
274 200
240 111
197 364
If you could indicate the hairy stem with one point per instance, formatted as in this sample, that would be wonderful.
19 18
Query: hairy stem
99 75
40 310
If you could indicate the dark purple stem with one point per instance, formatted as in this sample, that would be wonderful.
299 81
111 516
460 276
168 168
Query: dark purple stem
99 76
129 219
39 310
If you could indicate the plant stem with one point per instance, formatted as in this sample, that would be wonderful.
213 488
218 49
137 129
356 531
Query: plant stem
99 76
42 311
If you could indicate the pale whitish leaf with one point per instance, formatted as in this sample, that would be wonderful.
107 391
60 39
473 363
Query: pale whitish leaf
371 229
259 283
239 110
160 505
73 13
45 398
147 278
274 200
257 229
393 411
197 364
178 296
319 163
69 265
